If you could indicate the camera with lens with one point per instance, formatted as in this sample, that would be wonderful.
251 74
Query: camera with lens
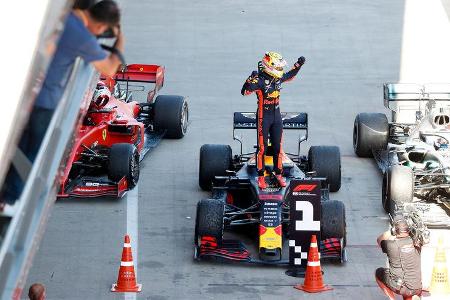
108 34
418 231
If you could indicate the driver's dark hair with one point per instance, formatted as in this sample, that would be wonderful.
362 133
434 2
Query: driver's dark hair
106 12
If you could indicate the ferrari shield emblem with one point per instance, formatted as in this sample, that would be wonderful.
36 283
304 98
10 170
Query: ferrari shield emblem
104 134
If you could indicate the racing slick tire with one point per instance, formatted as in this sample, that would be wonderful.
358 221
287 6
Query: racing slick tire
209 220
171 113
215 160
370 132
124 161
326 162
398 187
333 224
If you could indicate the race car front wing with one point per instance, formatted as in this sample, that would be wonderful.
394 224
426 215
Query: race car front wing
234 250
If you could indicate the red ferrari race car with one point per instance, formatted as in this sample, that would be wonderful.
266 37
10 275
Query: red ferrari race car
118 131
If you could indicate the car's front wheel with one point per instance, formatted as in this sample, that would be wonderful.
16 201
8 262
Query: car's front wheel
209 220
398 187
326 162
171 113
124 162
333 223
215 160
370 132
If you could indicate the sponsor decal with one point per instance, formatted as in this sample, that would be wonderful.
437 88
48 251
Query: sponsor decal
304 204
270 226
95 184
270 197
271 213
272 189
304 189
104 134
274 94
270 237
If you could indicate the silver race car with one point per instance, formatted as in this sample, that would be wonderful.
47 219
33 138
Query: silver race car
413 150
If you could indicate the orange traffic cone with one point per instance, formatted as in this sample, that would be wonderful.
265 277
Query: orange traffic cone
126 281
439 279
313 278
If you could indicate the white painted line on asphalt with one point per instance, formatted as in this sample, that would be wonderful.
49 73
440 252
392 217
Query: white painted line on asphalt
132 230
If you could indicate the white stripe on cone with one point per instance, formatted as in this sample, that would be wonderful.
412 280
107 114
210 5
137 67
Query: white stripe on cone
126 264
313 245
126 245
314 263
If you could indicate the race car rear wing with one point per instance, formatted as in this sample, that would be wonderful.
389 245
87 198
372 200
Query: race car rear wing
291 120
140 73
408 101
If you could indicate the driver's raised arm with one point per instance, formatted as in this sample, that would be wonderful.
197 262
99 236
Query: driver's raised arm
288 76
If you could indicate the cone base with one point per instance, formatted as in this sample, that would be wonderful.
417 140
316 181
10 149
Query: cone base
135 289
313 289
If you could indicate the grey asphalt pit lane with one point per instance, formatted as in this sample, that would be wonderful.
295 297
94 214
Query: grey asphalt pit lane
152 264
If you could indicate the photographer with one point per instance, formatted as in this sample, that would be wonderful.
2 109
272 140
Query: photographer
403 276
78 39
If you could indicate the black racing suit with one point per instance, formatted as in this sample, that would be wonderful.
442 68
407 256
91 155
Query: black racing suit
404 273
267 89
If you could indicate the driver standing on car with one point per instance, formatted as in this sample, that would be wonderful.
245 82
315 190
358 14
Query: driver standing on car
267 85
404 275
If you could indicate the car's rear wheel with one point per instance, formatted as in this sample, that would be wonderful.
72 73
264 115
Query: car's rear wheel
326 162
370 132
333 224
398 187
215 160
124 162
209 220
171 113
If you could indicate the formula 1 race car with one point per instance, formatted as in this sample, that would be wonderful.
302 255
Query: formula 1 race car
237 203
117 132
413 150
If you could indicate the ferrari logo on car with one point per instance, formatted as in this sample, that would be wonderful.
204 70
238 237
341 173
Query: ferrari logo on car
104 134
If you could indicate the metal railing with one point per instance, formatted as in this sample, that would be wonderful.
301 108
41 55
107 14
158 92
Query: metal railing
39 35
27 226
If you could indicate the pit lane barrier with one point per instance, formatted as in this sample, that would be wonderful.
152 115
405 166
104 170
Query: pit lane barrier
27 226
